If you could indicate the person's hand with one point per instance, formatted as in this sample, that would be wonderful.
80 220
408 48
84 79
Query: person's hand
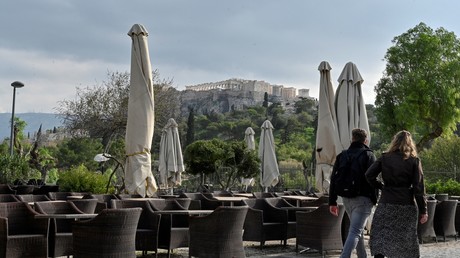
334 210
423 218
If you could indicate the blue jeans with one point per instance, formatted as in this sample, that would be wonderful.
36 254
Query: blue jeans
358 209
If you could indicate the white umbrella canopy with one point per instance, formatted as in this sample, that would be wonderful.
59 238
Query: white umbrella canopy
171 160
349 105
326 135
249 138
139 130
251 144
269 165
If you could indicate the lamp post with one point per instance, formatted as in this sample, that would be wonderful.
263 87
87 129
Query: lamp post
15 84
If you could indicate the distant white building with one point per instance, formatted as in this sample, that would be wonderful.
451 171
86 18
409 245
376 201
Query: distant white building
305 93
236 84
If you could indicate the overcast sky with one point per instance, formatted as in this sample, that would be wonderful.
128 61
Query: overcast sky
54 46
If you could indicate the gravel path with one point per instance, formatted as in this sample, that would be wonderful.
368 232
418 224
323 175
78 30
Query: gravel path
273 249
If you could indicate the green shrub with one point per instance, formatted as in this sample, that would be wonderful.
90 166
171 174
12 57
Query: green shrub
451 187
80 179
16 168
52 176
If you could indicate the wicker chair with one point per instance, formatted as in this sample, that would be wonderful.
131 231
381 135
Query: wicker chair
85 205
103 200
426 230
174 229
45 189
280 203
8 198
148 226
55 196
221 193
33 198
60 230
260 195
6 189
444 219
319 229
208 203
195 202
111 234
219 234
263 222
320 201
21 235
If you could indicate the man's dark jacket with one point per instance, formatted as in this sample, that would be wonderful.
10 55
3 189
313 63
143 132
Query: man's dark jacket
365 160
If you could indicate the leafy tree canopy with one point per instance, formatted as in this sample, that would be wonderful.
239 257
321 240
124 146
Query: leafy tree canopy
419 90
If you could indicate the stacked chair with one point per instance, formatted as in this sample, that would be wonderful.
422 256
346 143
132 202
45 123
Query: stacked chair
444 219
426 230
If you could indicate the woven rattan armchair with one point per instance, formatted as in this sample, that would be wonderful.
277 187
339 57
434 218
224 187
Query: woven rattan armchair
219 234
111 234
21 235
281 203
60 230
264 222
319 229
8 198
260 195
85 205
6 189
195 201
63 195
148 226
174 229
33 198
103 200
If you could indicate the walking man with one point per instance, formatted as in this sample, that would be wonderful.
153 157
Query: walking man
348 181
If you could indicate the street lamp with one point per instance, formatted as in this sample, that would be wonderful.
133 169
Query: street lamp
15 84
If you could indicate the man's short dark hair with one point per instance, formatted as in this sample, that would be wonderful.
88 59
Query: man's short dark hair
359 135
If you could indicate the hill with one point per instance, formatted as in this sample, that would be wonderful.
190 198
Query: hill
33 120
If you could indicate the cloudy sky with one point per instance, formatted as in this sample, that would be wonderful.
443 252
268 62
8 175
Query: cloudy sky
54 46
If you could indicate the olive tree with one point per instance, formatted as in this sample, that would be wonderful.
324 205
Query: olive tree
101 111
419 90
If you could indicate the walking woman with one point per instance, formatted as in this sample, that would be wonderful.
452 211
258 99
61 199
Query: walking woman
394 225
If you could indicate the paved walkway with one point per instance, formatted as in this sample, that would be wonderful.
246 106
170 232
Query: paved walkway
448 249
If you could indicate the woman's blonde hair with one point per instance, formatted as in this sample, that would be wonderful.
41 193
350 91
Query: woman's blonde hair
402 141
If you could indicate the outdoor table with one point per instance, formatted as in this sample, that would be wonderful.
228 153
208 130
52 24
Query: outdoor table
76 216
169 196
229 199
298 198
74 197
185 212
247 195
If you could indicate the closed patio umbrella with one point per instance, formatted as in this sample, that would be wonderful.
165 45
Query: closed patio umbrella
171 161
251 144
326 135
349 105
139 130
269 164
249 138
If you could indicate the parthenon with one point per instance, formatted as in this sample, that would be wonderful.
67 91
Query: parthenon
236 84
